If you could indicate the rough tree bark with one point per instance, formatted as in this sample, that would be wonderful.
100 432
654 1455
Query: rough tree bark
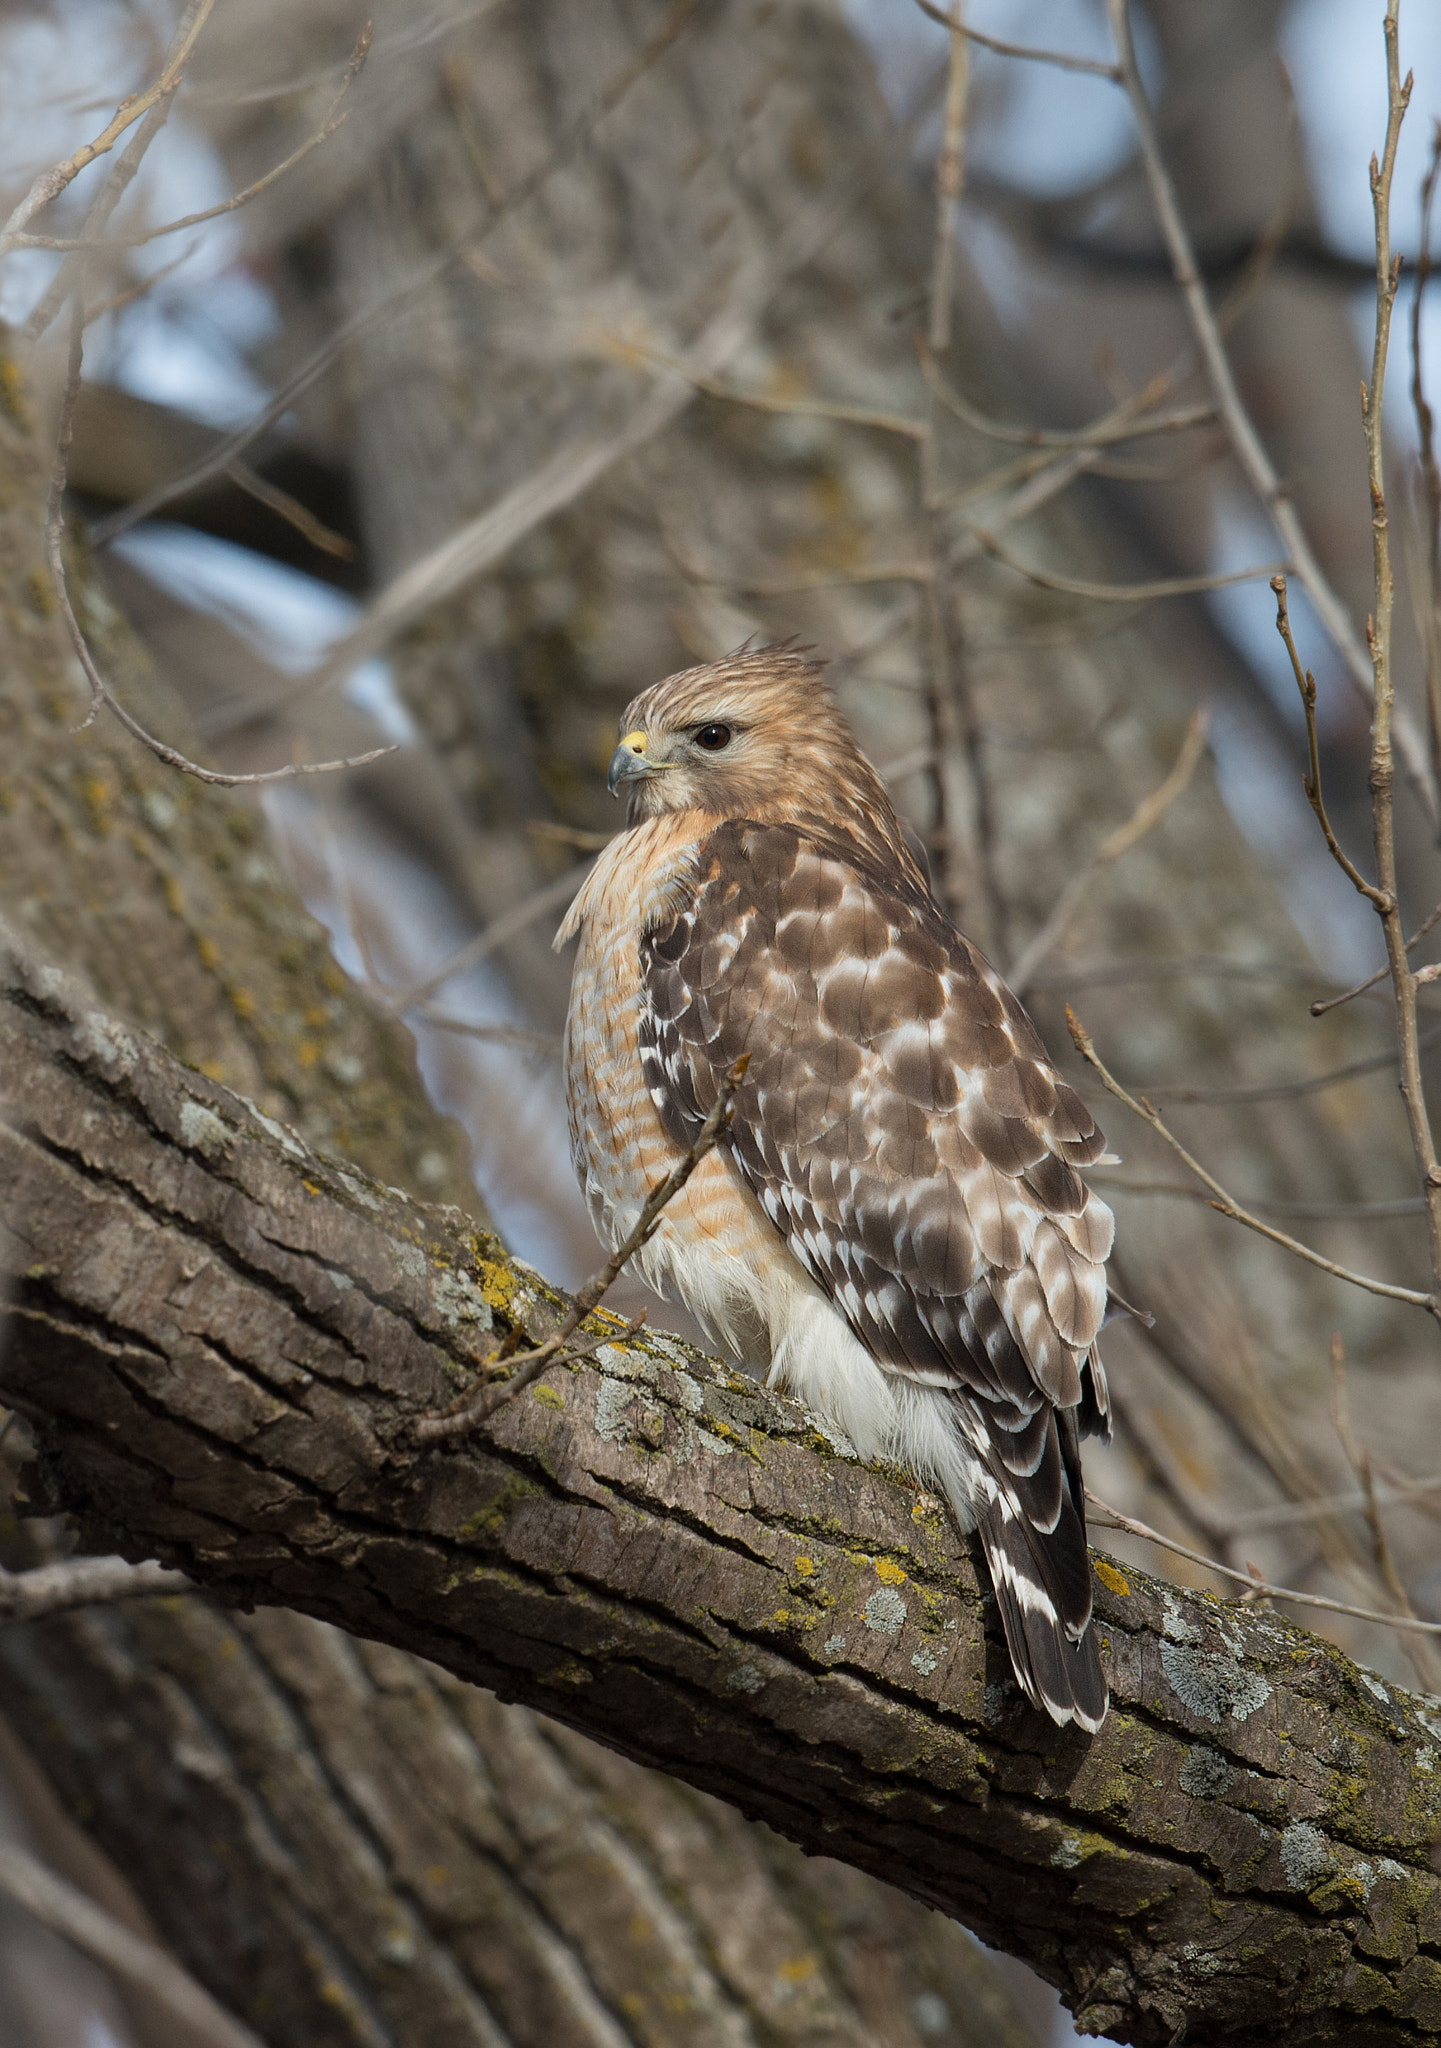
224 1342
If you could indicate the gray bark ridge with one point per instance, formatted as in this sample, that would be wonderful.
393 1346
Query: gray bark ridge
224 1340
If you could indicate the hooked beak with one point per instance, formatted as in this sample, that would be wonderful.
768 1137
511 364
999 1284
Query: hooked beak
629 764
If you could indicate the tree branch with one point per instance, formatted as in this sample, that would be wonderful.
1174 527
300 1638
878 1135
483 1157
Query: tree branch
134 1960
224 1341
81 1582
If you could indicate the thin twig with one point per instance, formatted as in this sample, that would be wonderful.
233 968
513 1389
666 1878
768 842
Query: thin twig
526 1365
487 1034
799 408
70 277
1118 593
499 932
569 835
62 1906
1250 452
1325 1003
292 512
1395 1492
1147 813
1117 1520
919 573
1094 67
1058 476
1128 421
1144 1444
1385 721
1311 782
1227 1205
1281 1091
950 178
416 36
137 288
1221 966
952 712
51 183
1429 474
1359 1459
82 1582
335 117
1313 1212
100 691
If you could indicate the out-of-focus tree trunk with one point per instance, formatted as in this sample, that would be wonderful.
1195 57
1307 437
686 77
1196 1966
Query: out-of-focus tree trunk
343 1844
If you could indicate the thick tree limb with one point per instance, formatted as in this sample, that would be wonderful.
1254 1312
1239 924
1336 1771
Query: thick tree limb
224 1342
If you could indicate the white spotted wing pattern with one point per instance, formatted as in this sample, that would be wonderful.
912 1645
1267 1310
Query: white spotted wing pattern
902 1128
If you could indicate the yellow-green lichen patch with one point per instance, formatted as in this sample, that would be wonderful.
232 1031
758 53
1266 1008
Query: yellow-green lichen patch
1110 1578
498 1284
548 1397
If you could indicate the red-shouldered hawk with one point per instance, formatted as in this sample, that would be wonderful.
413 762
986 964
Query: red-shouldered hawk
894 1226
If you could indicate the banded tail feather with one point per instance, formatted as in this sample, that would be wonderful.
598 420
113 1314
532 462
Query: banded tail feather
1045 1608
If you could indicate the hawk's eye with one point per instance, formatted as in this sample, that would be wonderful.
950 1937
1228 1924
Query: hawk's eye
713 738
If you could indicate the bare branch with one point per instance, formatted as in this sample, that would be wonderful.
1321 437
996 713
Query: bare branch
1129 421
950 177
1325 1003
70 277
1117 593
499 932
82 1582
1116 1520
1313 1212
558 482
1311 783
487 1034
50 184
72 1913
1281 1091
1250 453
1146 814
1359 1459
1227 1205
797 408
335 117
100 691
1397 1491
1429 472
292 511
1093 67
1385 726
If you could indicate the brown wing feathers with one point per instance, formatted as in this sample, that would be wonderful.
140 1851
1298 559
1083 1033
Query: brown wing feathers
904 1131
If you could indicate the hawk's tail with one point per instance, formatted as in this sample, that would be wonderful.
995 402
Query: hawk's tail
1043 1589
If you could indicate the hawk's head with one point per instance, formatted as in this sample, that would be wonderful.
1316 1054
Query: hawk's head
756 736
